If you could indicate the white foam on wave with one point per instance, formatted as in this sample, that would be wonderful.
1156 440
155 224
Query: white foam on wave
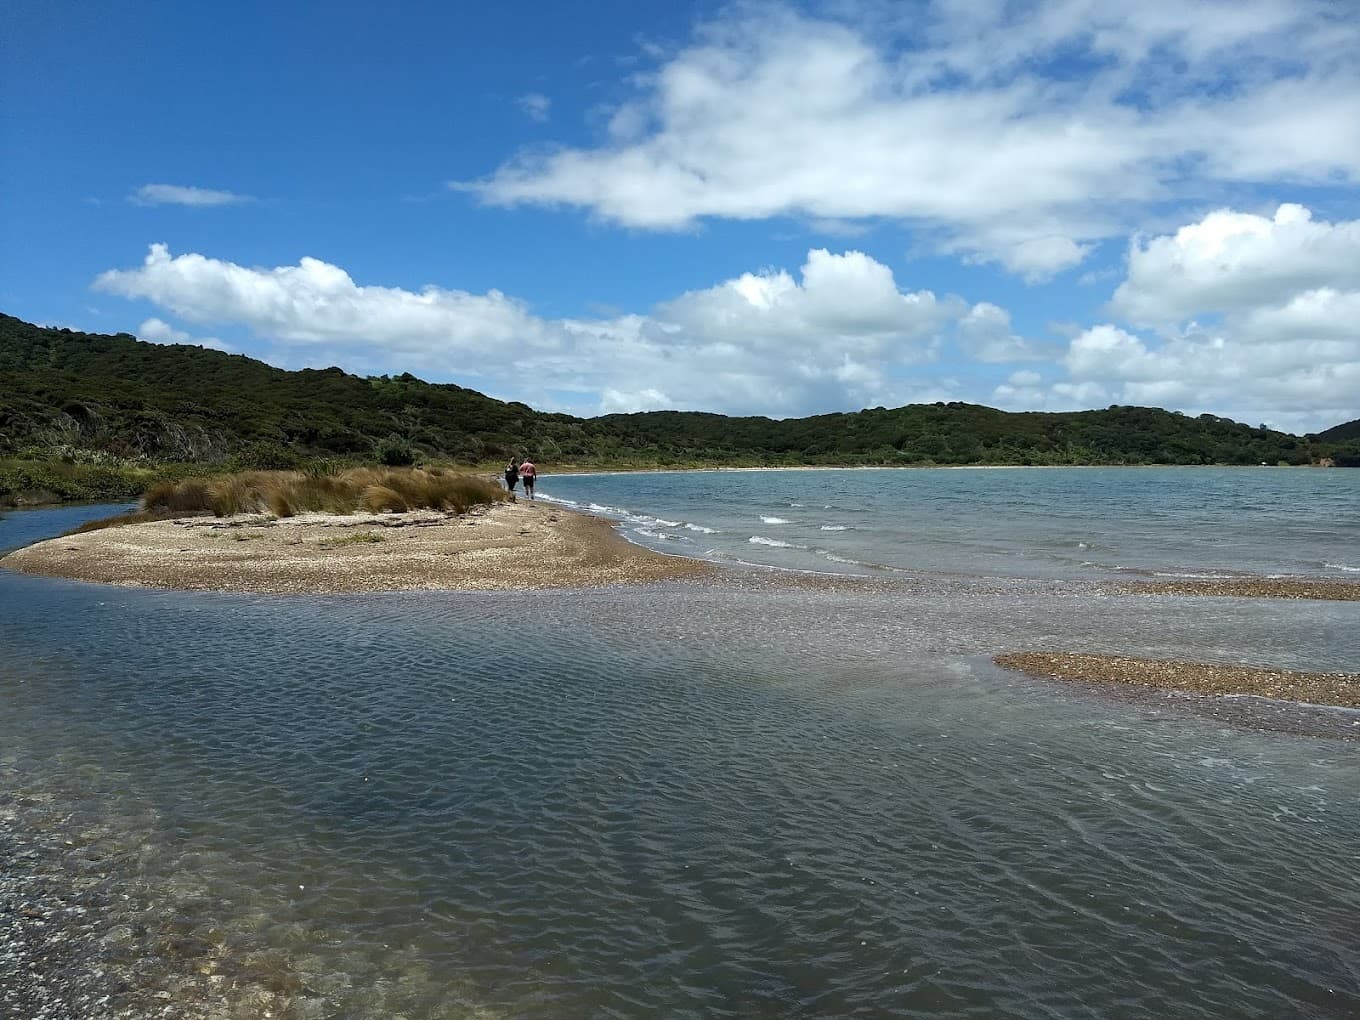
834 527
855 563
1343 566
774 520
774 542
659 535
700 528
600 508
1188 575
843 559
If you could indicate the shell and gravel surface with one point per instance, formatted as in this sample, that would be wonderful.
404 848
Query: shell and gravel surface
1246 697
505 546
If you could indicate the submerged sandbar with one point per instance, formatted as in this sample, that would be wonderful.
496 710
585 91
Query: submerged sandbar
1341 690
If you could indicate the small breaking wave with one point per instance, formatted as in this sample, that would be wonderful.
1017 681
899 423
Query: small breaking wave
1343 566
660 521
774 520
835 527
774 542
662 536
700 529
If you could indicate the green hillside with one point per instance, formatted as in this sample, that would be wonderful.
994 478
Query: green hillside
1339 433
89 400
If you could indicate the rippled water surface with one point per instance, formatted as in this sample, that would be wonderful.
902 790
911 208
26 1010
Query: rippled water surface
696 801
1012 522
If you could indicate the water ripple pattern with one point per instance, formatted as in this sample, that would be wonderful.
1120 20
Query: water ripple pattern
689 802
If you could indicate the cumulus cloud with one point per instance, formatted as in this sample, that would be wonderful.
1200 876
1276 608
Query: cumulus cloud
841 333
1231 261
176 194
317 303
966 121
158 331
984 334
1248 316
535 106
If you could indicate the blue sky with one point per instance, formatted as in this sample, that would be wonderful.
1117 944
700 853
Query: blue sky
749 208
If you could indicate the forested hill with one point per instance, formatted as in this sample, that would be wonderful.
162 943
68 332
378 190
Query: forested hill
70 395
1347 432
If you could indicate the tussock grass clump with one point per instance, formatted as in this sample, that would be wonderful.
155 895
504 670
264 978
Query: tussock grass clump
117 520
379 499
287 493
188 496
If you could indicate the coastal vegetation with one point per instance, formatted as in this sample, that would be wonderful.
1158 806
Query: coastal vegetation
91 416
288 493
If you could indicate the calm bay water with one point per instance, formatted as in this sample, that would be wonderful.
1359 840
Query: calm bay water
692 801
1011 522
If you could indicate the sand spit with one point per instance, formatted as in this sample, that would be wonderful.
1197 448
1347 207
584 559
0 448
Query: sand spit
501 547
1251 588
1334 689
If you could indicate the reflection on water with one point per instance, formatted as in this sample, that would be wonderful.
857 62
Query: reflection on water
687 802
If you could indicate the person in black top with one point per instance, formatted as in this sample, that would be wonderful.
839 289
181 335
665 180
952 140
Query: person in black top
511 475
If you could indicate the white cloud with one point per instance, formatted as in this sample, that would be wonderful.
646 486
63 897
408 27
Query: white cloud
1231 261
317 303
985 335
965 120
158 331
839 334
614 401
1247 316
175 194
535 105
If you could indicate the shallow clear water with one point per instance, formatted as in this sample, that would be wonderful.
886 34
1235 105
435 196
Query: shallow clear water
1011 522
695 801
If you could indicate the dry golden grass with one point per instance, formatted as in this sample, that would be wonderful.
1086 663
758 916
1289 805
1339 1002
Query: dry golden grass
287 493
379 499
117 520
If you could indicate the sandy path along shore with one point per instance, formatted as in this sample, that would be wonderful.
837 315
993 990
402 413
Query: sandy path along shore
501 547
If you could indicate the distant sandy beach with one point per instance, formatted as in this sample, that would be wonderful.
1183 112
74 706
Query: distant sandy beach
508 546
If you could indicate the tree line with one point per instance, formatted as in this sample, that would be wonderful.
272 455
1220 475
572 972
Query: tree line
99 399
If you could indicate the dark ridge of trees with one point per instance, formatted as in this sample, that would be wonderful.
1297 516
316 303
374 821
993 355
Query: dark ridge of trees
91 399
1339 433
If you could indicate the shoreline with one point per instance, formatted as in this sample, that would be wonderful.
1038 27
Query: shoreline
1329 690
507 546
1285 701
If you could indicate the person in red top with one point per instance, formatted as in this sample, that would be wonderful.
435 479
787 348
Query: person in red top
527 474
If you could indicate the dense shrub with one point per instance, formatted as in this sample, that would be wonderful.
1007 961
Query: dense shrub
394 452
264 456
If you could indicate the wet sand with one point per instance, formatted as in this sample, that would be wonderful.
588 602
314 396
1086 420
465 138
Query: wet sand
1252 588
502 547
1242 697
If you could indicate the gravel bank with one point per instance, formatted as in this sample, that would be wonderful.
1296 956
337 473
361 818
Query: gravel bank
505 546
1274 700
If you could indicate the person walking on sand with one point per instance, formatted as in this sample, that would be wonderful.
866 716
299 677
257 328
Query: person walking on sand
527 474
511 475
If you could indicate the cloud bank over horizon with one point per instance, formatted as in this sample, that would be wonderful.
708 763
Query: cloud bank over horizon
1241 314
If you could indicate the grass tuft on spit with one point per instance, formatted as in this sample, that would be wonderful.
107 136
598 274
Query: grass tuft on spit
287 493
